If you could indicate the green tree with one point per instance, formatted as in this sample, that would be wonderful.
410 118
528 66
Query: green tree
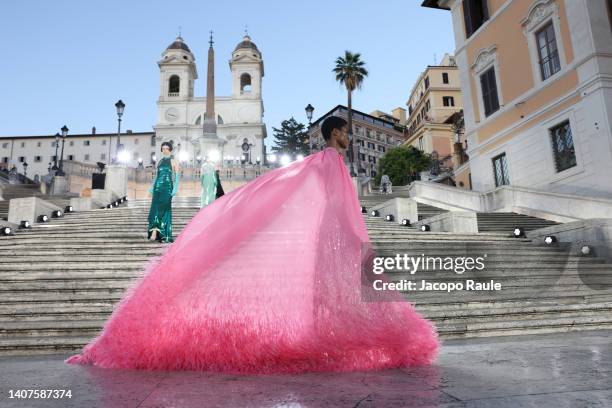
402 164
291 138
350 72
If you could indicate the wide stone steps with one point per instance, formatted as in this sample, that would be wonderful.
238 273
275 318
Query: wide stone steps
487 222
17 253
577 293
506 221
441 238
523 327
94 227
66 255
49 285
493 268
60 281
11 191
450 311
423 210
591 273
447 328
130 235
42 345
574 293
501 322
120 283
95 295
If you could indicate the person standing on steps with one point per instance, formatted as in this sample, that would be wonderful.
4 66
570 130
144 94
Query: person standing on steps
208 182
220 191
385 184
164 187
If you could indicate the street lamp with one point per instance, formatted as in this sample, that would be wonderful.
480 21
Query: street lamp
64 130
57 138
120 106
309 109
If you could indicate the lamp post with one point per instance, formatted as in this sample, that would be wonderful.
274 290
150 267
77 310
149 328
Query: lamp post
309 109
57 138
120 106
60 171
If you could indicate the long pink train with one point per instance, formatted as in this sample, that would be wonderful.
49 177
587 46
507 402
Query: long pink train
266 279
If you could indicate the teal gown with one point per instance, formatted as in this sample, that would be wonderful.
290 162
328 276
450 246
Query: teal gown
208 180
160 213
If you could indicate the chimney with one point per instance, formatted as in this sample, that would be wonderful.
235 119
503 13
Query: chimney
129 131
93 130
399 114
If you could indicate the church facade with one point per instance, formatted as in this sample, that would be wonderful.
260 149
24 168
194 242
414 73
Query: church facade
233 131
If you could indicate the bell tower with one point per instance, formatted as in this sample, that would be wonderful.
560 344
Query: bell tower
177 72
247 70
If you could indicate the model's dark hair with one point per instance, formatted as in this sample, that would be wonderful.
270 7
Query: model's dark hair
166 144
331 123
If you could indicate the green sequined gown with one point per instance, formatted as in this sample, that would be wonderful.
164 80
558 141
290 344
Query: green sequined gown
160 213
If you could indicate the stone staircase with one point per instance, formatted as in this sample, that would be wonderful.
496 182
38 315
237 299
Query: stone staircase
544 289
506 221
424 210
59 281
10 191
487 222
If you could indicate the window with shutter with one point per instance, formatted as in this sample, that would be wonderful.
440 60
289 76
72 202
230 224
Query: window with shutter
489 91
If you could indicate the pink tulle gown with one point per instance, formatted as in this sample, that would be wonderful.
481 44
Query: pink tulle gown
266 279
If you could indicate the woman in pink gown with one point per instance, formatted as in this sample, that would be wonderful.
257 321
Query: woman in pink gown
268 279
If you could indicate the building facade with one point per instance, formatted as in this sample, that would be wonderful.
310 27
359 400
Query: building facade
434 98
372 137
239 117
38 152
536 80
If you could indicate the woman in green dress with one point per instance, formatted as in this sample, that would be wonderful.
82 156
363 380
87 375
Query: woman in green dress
164 187
208 181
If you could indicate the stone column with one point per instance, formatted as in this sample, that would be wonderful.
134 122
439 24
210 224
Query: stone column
116 180
59 185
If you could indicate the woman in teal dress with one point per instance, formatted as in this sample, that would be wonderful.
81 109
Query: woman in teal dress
164 187
208 181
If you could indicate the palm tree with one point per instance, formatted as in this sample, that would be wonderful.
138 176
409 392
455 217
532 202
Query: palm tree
350 72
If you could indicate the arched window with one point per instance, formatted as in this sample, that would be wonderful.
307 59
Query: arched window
174 84
245 83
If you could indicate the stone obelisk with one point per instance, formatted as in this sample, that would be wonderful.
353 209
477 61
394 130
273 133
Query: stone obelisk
210 143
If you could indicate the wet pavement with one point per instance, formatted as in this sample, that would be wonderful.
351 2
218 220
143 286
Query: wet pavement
560 370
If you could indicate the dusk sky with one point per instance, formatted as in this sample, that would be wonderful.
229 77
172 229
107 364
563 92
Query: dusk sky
68 62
